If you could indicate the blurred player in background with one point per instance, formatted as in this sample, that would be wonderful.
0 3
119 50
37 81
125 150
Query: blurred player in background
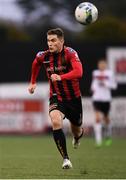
64 70
103 82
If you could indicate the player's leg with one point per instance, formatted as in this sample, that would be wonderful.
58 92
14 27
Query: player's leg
108 130
74 114
98 128
98 123
77 134
59 137
107 124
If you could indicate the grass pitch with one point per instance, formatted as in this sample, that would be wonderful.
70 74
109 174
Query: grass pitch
36 157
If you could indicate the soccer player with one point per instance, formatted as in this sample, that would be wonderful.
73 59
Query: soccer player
64 70
103 82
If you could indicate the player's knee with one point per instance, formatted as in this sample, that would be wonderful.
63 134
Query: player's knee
56 124
56 120
98 117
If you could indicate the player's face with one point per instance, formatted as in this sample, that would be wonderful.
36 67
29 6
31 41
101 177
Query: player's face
55 44
102 65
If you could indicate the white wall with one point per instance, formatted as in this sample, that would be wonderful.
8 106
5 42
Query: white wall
21 112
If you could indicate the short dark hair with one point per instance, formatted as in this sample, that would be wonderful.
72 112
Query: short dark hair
58 31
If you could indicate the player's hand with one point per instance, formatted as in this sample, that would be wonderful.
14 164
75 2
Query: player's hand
55 77
31 88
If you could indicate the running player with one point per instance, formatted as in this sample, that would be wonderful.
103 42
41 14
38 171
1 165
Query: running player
64 70
103 82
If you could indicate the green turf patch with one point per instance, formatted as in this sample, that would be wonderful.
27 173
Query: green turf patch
37 158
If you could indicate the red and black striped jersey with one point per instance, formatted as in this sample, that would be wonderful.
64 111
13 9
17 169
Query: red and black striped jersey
66 64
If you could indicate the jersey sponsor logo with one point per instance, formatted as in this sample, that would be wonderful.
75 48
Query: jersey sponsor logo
56 69
101 77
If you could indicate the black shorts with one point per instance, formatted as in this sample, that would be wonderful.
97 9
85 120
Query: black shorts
103 107
72 109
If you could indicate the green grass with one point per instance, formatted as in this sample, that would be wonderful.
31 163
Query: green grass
37 158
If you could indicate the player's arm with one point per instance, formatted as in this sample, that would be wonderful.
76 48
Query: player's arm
94 82
77 70
111 83
36 65
75 73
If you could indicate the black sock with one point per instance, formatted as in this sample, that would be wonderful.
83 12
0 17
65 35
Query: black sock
60 141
